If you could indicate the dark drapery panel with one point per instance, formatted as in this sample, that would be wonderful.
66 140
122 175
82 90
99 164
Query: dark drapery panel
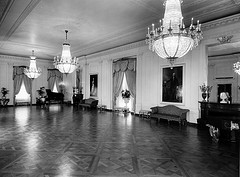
54 75
18 78
27 82
17 82
123 65
117 85
127 66
131 82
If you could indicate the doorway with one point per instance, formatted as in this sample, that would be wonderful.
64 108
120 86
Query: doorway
224 88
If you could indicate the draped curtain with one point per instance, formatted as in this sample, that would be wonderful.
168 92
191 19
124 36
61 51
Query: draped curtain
54 76
127 66
18 78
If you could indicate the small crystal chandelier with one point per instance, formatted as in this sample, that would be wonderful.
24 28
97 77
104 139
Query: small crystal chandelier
32 72
172 40
236 67
65 64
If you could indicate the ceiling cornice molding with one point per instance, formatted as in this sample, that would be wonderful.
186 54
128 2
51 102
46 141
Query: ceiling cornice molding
112 37
29 45
6 10
205 26
21 18
221 22
228 57
11 57
237 2
210 10
127 47
193 3
145 5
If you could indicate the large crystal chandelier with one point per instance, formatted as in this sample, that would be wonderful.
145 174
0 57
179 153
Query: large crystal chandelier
236 67
65 64
32 71
171 40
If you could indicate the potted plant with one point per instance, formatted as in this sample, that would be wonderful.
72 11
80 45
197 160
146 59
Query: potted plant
42 96
205 89
4 92
126 96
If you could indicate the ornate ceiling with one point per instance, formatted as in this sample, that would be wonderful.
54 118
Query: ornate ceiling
94 25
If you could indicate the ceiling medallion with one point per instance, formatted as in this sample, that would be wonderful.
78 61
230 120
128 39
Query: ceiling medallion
171 40
32 71
65 64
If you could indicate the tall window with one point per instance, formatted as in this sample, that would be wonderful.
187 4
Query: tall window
120 101
22 96
55 88
124 77
54 79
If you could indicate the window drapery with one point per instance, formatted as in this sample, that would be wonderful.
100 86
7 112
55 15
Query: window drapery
117 85
54 76
18 78
127 66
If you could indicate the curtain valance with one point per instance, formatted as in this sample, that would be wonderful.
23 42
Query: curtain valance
18 70
54 73
123 65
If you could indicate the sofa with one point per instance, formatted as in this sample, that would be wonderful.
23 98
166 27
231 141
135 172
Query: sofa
169 113
89 103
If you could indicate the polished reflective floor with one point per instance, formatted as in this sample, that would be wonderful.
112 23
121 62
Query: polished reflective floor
65 141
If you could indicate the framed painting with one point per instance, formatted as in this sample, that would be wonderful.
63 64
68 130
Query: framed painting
172 84
93 85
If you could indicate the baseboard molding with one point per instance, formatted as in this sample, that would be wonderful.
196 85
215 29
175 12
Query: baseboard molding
192 124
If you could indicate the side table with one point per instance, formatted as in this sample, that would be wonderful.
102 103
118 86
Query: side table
144 113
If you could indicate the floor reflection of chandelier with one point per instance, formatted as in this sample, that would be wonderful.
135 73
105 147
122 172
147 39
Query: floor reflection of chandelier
32 72
171 40
65 64
236 67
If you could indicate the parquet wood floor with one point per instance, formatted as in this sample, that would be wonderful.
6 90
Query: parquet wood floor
65 141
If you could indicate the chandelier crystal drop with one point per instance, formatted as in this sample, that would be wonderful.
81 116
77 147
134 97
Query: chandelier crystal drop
236 67
65 64
172 40
32 71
